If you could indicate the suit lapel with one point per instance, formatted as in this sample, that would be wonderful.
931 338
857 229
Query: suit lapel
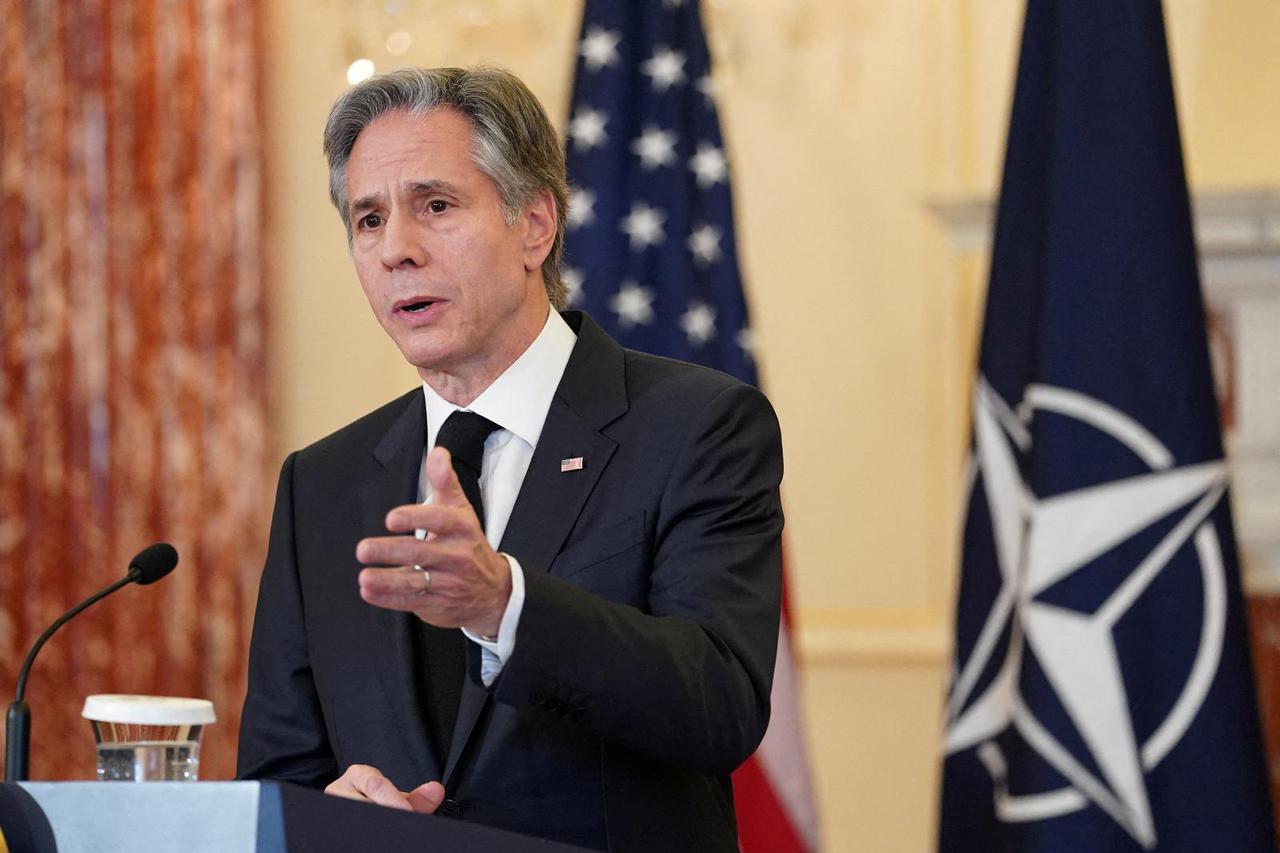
389 633
551 500
591 394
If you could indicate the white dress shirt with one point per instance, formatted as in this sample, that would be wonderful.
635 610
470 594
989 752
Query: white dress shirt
518 402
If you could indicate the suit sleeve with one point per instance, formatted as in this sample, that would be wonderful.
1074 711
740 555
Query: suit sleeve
282 729
686 682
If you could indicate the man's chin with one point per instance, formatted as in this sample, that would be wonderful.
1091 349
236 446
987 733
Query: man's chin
424 351
425 362
430 361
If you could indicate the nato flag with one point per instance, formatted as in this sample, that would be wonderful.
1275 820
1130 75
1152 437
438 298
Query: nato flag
1102 697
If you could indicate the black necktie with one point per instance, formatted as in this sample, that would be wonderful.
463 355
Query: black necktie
444 650
463 434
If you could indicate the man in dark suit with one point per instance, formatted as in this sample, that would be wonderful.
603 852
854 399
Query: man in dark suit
541 592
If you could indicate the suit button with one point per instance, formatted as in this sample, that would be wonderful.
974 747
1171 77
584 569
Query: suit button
450 808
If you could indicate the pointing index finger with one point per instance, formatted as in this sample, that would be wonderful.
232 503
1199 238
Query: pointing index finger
445 488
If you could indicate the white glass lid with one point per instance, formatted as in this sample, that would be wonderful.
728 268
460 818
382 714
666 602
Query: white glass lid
148 710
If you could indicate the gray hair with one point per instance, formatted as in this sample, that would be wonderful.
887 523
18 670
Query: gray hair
513 141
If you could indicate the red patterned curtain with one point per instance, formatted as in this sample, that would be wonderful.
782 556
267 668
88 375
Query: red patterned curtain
132 355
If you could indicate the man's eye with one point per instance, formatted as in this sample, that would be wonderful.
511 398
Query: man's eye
437 206
373 220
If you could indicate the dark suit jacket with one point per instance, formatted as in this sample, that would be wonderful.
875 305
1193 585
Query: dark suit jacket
644 654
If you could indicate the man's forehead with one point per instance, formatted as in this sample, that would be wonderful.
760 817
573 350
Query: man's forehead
432 148
435 125
406 154
439 138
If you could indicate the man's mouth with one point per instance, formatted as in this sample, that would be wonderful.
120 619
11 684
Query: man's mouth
415 305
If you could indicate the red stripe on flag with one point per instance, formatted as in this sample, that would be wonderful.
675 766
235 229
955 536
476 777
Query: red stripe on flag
763 824
771 792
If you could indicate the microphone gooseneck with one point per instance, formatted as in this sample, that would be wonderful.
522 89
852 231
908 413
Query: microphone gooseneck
148 566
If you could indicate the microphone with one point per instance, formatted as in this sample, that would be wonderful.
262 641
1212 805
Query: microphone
148 566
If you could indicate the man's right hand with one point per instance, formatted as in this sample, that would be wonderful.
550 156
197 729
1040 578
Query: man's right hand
362 782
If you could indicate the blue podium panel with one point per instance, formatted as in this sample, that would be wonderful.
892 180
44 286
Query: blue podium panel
249 817
124 817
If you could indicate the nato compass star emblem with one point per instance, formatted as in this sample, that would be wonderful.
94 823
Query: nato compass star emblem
1042 541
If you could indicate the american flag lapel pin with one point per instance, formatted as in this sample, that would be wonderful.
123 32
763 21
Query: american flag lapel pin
573 463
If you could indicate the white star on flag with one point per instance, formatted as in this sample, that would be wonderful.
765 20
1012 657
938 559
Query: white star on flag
704 242
672 4
572 279
582 211
586 128
655 147
745 341
633 304
644 225
707 87
599 48
665 68
698 323
710 165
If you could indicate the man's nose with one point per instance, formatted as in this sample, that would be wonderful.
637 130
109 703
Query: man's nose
402 244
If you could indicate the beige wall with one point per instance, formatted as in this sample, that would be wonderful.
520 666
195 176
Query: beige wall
844 119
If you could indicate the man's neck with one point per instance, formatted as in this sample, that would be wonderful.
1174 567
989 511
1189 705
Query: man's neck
458 389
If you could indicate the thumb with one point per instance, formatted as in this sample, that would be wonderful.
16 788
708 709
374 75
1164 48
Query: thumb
445 488
426 798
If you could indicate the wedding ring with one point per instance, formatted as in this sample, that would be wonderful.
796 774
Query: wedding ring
426 580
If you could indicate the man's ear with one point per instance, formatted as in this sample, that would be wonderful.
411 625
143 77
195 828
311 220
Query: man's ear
540 229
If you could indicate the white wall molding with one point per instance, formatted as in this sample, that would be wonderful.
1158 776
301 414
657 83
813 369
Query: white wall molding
875 644
1241 222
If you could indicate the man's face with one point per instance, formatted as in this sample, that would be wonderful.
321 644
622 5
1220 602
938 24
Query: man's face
457 288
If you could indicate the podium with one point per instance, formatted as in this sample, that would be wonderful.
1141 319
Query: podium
246 817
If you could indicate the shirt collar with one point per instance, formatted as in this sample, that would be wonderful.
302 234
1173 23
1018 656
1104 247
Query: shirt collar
519 399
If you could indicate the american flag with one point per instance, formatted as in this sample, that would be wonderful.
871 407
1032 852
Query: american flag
651 256
651 249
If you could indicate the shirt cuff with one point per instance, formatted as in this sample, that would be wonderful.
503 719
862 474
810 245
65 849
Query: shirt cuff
494 654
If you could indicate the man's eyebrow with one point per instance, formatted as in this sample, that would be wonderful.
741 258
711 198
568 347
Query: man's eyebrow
431 186
415 188
366 202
